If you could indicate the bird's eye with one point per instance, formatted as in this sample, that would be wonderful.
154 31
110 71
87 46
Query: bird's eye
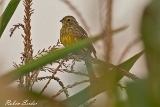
68 20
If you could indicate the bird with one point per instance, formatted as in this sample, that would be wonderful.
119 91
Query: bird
70 33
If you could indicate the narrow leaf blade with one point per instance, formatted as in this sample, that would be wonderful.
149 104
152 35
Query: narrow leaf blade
7 14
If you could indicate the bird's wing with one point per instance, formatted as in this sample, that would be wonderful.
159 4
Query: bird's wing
81 34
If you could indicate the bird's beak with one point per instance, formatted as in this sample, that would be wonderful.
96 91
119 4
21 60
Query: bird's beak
61 20
63 23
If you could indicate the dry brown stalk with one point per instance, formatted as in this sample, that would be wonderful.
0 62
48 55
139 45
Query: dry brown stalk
25 81
108 39
52 76
28 51
69 86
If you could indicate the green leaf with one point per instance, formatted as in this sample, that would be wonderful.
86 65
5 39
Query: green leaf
142 94
7 14
150 29
51 57
102 84
146 93
127 65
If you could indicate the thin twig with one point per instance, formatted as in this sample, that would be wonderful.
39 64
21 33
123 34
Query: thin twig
52 76
69 86
34 76
77 73
57 79
49 49
12 30
110 66
122 87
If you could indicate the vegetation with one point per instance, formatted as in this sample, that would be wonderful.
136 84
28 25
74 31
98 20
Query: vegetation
140 93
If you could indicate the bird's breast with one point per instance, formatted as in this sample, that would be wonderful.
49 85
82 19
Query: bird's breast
66 37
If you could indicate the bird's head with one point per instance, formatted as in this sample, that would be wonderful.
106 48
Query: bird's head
68 20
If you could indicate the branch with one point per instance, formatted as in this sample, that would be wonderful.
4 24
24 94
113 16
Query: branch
69 86
52 76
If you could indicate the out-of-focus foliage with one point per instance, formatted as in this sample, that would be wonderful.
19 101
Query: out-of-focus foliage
104 82
142 93
7 14
146 93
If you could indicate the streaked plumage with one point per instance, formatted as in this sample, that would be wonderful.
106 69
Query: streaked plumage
71 32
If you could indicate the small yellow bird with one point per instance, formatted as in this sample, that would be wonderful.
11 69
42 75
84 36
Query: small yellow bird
71 32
